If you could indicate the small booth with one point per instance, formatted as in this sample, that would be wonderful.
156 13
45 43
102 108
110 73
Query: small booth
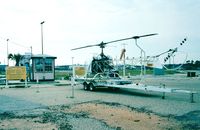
43 68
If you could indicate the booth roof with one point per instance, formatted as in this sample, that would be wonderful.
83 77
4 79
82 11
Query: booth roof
42 56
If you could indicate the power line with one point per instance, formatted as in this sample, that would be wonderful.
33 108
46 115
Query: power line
19 44
15 43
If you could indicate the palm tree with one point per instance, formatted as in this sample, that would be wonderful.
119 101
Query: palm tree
15 57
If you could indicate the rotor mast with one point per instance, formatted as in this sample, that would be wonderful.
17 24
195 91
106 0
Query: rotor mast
102 46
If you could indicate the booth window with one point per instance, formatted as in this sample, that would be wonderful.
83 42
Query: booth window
39 65
48 65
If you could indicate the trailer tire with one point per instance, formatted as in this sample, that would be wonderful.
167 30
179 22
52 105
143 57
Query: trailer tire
91 87
85 86
113 88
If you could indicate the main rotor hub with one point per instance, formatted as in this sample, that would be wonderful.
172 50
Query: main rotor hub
102 45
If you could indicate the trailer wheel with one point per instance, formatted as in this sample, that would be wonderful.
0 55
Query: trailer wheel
91 87
113 88
85 86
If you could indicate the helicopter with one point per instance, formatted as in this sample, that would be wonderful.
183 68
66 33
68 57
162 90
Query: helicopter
103 73
104 63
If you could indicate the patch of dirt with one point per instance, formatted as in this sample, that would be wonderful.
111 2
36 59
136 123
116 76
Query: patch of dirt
122 117
111 115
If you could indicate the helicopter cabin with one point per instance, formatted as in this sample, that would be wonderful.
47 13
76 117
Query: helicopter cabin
43 68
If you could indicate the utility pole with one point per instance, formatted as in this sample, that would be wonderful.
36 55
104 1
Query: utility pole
7 53
31 50
42 35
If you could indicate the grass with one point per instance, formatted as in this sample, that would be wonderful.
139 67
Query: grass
67 74
135 72
148 72
62 74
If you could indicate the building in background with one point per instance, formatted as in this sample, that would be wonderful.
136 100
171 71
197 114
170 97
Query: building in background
3 68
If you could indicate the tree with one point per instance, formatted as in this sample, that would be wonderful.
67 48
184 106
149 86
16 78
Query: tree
188 61
15 57
197 62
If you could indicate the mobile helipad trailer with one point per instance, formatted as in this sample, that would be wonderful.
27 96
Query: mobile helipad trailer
113 80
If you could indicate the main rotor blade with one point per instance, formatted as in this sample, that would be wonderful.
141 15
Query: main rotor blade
119 40
147 35
102 44
85 47
134 37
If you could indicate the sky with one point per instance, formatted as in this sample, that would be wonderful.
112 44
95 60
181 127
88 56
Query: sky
75 23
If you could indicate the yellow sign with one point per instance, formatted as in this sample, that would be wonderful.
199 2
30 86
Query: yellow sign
80 71
16 73
150 65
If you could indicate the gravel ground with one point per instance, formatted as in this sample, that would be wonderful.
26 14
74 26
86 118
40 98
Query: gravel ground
40 105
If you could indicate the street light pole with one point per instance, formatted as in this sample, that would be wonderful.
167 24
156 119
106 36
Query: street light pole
31 50
124 60
42 35
7 53
73 76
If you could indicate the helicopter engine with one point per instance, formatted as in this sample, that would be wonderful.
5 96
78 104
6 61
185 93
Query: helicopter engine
102 64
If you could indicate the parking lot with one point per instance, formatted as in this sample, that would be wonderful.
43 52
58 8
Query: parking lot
56 99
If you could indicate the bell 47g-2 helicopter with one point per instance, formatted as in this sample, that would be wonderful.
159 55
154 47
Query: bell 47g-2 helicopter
103 63
102 73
